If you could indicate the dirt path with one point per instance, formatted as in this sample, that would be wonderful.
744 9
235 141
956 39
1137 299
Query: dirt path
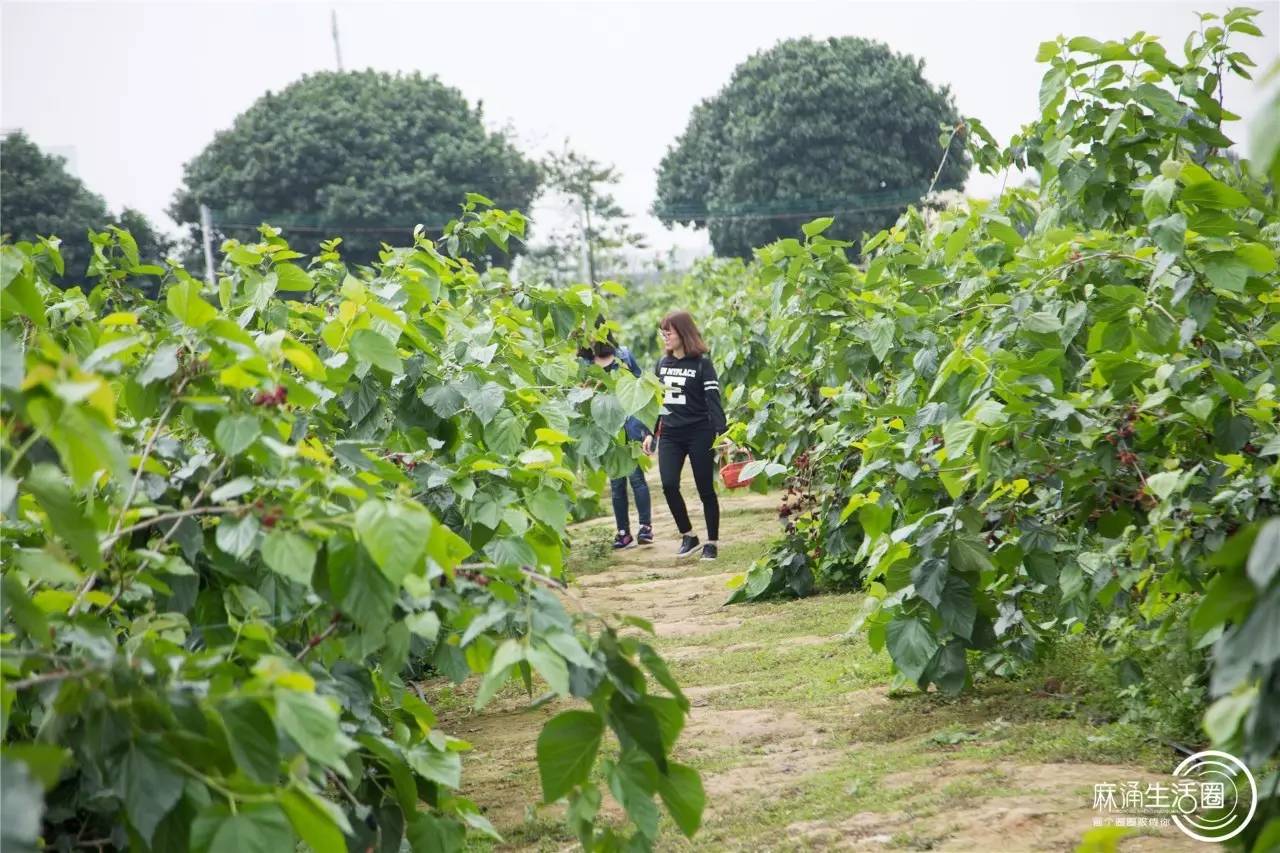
800 741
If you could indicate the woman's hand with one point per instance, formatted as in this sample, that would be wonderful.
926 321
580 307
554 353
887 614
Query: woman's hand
647 445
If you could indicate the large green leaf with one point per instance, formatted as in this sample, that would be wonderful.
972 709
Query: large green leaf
957 606
441 766
236 536
235 433
957 436
504 435
1257 257
1158 99
1169 232
427 831
23 611
1051 87
817 226
969 555
1227 598
548 506
1248 647
446 548
486 401
317 821
1213 193
930 579
363 592
1043 568
551 667
251 735
1165 483
634 393
68 521
251 829
1226 272
313 724
1231 434
881 337
681 790
633 781
1044 322
290 554
510 653
185 303
151 789
911 645
12 262
292 277
949 669
395 535
658 668
373 348
567 748
162 364
638 723
607 412
1157 196
511 551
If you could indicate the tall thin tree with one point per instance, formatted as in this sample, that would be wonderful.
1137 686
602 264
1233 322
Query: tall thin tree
602 226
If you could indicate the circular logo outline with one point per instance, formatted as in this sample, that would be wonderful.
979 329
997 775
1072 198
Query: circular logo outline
1195 762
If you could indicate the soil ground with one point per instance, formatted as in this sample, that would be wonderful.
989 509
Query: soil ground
799 738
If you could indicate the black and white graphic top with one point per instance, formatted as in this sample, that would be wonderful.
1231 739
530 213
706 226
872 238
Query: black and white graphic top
693 394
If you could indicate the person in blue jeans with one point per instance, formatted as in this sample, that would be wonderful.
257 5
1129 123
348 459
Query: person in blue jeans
608 355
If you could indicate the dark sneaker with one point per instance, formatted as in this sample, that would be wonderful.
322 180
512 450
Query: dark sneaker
688 545
623 540
645 535
709 552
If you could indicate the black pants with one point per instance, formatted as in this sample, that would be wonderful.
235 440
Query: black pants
672 450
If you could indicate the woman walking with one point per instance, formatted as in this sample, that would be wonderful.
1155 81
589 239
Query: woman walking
690 419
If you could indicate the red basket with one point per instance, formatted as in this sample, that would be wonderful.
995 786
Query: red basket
729 473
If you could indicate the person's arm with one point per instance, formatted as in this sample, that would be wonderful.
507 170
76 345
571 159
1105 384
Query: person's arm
647 443
657 425
629 359
711 391
636 429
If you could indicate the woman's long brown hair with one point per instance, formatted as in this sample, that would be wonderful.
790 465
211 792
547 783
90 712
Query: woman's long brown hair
690 338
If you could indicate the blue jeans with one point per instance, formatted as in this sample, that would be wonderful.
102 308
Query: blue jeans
621 512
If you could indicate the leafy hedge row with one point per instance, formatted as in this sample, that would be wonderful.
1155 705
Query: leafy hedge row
241 523
1048 413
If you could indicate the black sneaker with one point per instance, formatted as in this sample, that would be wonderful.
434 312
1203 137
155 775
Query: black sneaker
709 552
688 545
623 540
645 535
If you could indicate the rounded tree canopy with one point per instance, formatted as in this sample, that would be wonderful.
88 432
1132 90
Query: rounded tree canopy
364 155
843 127
40 198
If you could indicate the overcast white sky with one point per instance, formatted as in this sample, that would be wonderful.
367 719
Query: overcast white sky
131 91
